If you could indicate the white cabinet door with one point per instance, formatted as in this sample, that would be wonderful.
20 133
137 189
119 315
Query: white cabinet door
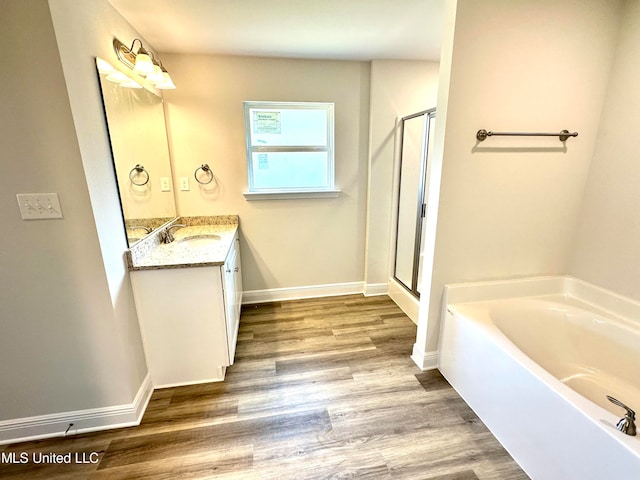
231 298
183 326
238 279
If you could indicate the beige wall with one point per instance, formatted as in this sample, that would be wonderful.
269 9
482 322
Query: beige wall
69 339
85 31
285 243
509 206
607 243
398 88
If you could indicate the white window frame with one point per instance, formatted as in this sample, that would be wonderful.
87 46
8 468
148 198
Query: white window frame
292 192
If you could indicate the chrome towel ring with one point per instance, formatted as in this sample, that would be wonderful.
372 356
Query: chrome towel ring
140 170
205 168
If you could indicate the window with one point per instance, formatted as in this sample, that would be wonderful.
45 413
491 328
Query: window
289 149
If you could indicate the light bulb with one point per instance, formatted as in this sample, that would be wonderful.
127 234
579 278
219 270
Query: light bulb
156 77
144 65
167 82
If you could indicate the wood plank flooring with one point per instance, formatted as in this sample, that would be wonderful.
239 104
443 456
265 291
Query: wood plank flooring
321 389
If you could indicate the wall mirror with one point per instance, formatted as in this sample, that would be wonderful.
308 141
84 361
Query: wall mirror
140 150
415 151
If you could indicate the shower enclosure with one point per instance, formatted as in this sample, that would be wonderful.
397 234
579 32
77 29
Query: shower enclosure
415 151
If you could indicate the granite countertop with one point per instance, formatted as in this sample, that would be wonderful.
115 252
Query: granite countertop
151 253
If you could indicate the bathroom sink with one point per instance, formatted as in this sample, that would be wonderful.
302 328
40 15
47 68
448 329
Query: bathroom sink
201 240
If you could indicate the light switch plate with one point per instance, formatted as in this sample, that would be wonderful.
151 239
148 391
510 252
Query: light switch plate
184 184
39 206
165 184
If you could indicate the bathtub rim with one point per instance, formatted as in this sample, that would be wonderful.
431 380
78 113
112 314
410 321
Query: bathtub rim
598 297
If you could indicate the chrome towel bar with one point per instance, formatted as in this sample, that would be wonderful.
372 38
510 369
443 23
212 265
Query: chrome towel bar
563 135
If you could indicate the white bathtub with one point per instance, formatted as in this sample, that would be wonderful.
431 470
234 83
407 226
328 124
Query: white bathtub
535 358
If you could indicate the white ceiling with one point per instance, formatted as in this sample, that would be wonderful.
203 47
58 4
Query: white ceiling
328 29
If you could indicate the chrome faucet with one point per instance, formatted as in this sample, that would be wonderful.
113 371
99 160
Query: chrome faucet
627 423
167 236
140 227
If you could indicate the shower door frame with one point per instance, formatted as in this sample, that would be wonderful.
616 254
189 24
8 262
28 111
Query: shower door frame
429 115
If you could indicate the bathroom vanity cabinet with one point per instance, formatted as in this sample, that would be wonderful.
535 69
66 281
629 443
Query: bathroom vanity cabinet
189 318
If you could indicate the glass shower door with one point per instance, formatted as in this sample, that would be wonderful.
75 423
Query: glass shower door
414 152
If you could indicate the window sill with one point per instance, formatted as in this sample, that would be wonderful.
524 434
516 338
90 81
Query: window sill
280 195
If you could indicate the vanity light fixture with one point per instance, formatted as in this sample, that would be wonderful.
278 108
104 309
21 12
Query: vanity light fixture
144 63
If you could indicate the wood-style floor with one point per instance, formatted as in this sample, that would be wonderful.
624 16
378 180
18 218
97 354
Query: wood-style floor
321 389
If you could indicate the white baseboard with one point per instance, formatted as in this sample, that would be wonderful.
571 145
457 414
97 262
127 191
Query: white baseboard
90 420
373 289
295 293
424 360
407 302
219 378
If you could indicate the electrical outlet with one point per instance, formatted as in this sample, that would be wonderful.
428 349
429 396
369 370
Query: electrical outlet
165 184
184 184
39 206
